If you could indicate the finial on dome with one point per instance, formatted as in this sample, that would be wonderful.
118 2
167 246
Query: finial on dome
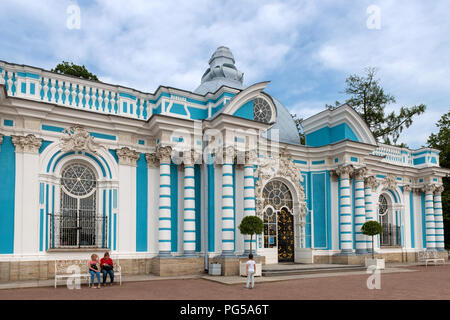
221 71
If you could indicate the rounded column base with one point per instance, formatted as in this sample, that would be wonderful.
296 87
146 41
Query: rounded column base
347 252
190 253
228 254
165 254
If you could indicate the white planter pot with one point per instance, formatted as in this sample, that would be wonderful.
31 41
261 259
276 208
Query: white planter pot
215 269
243 269
379 263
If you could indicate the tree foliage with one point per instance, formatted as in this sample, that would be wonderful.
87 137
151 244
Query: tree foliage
372 228
74 70
441 141
369 99
251 225
298 123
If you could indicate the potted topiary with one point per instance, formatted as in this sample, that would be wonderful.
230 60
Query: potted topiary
372 228
251 225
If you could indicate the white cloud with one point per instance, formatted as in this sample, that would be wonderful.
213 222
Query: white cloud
305 45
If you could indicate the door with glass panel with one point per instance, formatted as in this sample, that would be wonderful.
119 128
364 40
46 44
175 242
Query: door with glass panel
77 219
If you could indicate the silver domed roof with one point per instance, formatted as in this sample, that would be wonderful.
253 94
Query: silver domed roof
221 71
288 132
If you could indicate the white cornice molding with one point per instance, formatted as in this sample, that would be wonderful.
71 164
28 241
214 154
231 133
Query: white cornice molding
342 114
244 96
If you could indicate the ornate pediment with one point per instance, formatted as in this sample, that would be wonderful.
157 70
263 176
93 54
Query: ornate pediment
390 182
77 138
284 167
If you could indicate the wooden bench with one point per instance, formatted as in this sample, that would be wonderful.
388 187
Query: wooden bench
65 269
430 256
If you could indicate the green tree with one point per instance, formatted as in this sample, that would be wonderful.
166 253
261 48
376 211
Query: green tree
369 99
298 123
441 141
371 228
74 70
251 225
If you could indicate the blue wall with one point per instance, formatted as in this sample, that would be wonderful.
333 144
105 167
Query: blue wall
328 135
245 111
141 203
321 202
307 187
8 173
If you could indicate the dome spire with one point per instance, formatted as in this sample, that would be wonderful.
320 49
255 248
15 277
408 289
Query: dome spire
221 71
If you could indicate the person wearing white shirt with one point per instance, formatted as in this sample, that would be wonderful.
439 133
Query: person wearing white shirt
251 269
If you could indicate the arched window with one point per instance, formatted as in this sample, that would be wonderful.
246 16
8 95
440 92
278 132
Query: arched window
276 197
382 205
261 110
277 194
77 223
389 219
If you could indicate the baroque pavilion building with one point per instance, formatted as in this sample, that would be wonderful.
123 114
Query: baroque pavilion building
162 180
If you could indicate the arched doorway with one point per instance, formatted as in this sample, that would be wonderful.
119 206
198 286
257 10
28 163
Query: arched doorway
390 222
278 220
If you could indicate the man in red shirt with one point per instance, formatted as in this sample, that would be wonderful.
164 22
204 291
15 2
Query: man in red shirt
107 267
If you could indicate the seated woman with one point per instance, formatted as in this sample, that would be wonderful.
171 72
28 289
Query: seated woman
107 267
94 270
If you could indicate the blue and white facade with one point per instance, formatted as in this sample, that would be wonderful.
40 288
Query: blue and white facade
91 166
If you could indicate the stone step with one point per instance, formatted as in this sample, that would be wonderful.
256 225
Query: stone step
310 270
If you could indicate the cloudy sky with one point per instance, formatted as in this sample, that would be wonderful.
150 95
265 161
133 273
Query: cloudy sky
305 48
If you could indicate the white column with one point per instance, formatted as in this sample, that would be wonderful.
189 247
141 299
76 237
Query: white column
406 218
360 211
438 219
370 184
228 202
189 205
29 234
165 230
429 217
249 196
126 217
153 203
346 219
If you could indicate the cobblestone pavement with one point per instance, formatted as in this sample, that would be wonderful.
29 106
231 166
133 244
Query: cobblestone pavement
426 283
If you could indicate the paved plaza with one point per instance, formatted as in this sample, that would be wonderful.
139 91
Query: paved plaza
411 282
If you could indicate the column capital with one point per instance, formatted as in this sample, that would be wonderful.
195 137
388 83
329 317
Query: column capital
344 171
152 160
229 153
164 154
429 188
127 156
407 188
360 173
372 182
191 157
251 157
439 190
27 144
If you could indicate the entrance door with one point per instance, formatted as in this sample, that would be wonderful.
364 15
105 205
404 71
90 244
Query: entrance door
285 236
